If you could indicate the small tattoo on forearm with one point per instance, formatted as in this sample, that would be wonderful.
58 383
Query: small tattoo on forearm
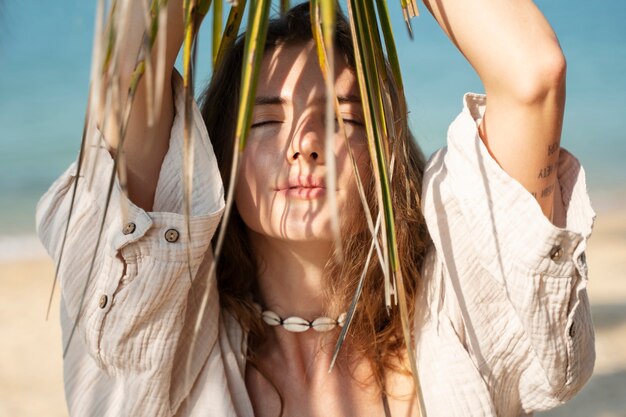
547 191
545 172
553 148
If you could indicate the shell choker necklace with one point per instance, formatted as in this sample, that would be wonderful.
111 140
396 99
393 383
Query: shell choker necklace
298 324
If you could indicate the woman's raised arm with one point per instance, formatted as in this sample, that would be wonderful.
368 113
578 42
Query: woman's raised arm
518 58
144 146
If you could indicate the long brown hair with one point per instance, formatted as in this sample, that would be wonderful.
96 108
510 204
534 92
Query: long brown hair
374 334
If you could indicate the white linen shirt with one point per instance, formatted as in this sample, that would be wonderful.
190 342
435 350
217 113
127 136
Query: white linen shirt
503 325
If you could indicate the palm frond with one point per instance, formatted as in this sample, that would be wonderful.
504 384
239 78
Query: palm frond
409 10
79 166
190 31
323 25
368 18
325 64
161 39
252 55
284 6
390 43
369 65
369 86
254 47
217 29
230 30
93 104
120 116
355 299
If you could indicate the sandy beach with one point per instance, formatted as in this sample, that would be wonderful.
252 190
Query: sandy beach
30 351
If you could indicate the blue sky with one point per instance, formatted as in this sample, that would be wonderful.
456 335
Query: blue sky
45 53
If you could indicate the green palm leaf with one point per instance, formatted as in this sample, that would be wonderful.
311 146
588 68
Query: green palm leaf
254 47
217 28
230 31
390 43
369 65
253 55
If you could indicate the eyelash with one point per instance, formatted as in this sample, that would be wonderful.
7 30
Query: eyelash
267 122
263 123
352 122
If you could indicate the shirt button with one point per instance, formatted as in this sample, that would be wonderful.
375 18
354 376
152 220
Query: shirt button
129 228
556 253
171 235
103 301
572 330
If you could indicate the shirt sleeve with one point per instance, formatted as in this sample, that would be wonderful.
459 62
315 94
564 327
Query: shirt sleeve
519 282
128 290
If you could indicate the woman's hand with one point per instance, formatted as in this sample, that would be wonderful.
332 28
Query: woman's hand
518 58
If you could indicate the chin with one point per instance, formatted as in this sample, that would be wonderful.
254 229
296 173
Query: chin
298 230
295 221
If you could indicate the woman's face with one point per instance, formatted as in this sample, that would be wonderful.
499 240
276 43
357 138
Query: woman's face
282 190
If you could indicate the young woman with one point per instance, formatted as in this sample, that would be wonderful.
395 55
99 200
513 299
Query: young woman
492 233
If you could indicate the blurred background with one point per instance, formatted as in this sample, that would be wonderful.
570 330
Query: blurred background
45 55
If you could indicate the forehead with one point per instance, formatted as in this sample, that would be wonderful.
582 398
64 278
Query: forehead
293 73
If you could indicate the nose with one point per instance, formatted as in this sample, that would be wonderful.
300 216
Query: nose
307 142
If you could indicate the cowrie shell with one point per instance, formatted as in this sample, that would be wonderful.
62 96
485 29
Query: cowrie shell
296 324
271 318
342 319
323 324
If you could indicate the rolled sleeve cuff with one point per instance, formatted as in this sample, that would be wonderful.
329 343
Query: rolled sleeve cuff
520 232
163 230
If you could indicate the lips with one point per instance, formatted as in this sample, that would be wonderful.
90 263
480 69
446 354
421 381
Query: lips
304 187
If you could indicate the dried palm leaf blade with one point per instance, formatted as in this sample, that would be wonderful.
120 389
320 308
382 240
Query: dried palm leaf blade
79 168
161 41
321 50
94 106
123 115
189 7
365 33
322 14
254 48
355 300
409 11
367 76
252 57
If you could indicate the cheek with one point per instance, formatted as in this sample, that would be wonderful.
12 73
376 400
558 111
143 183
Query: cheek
352 206
259 171
362 159
249 184
362 156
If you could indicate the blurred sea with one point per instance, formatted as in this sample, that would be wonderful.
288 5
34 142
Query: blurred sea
45 54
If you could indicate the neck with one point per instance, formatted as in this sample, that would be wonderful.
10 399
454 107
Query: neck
290 284
290 275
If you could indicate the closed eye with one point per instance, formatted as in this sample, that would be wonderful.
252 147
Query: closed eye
351 121
264 123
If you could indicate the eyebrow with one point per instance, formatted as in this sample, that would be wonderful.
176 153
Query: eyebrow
349 99
269 100
276 100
